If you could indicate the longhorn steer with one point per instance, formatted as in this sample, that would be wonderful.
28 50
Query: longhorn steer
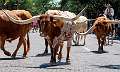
101 27
80 25
10 31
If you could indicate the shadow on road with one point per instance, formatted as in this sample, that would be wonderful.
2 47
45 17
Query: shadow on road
78 45
48 65
116 54
96 52
108 66
45 65
12 58
40 55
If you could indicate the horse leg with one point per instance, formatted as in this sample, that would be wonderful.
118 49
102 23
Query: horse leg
2 43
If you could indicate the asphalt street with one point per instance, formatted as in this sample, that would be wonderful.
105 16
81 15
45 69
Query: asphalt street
83 58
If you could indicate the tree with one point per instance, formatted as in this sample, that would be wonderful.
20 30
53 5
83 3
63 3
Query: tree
26 4
41 5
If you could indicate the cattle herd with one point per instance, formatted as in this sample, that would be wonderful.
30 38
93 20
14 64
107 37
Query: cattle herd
55 26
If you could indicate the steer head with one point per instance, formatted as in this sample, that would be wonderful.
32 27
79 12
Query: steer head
48 23
45 23
102 25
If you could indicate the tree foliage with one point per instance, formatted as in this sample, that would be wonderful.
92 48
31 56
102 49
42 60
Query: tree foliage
95 7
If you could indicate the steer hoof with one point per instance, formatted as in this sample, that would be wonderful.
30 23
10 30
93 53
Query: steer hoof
7 53
53 63
68 61
59 56
59 60
13 55
24 56
100 50
45 53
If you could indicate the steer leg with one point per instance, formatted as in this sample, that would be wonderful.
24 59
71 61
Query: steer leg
103 42
108 39
53 57
25 49
77 39
18 46
55 52
102 46
84 39
68 51
60 52
99 44
2 43
46 49
28 43
100 50
52 54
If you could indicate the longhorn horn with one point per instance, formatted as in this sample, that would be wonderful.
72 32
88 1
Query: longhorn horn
86 31
70 19
73 19
20 21
113 21
109 21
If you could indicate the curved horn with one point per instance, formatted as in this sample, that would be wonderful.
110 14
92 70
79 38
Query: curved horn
69 19
113 21
86 31
21 21
79 14
109 21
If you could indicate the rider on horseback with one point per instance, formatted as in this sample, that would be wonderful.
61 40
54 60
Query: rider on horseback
109 12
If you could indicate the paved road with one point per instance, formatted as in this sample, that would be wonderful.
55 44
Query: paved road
82 58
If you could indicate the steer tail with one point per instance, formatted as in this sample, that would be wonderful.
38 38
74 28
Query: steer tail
28 43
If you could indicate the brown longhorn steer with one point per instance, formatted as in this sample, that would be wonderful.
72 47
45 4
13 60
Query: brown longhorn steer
10 31
102 28
51 29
